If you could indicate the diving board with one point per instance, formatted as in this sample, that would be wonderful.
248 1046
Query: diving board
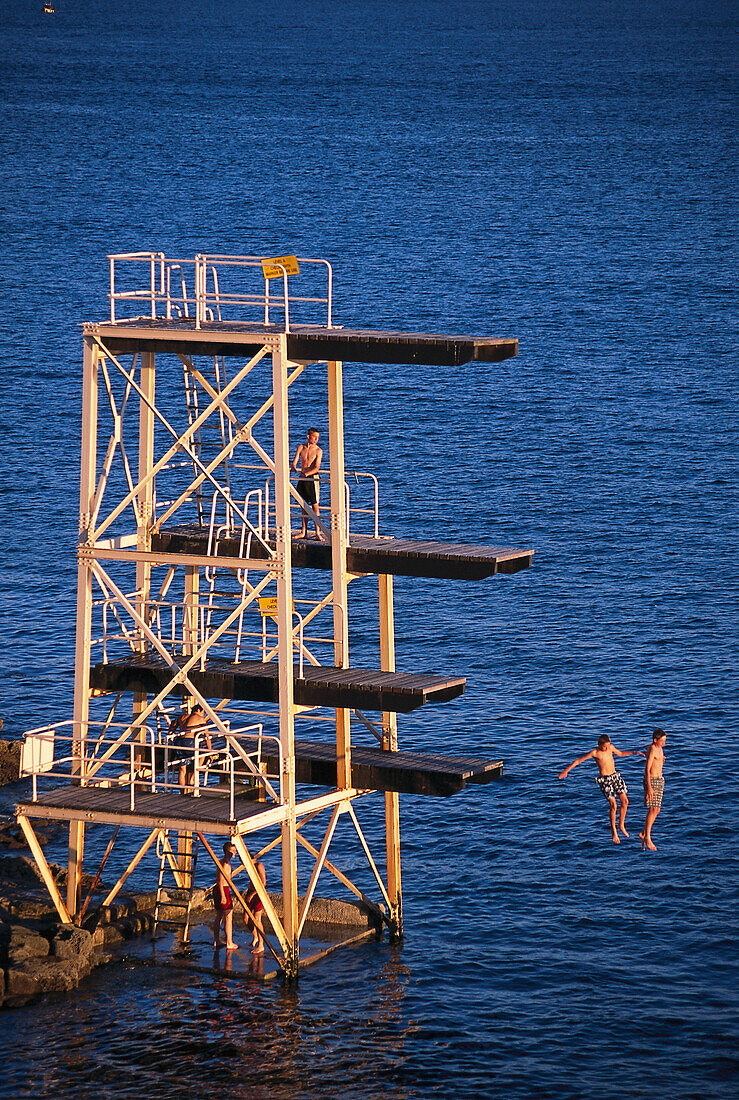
365 554
319 685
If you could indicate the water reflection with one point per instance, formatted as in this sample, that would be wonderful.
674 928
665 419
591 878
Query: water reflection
144 1028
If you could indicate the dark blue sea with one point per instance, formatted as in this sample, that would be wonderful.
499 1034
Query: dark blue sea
563 173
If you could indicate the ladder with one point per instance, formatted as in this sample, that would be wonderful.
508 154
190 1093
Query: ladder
217 432
237 578
175 892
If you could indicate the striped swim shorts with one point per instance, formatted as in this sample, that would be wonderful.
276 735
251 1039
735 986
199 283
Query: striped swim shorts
612 785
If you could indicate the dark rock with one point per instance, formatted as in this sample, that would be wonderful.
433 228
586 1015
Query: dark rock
20 986
71 943
2 986
10 761
11 835
26 905
24 944
112 934
47 976
20 869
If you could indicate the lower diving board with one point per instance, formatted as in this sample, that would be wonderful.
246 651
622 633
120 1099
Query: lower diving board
319 686
377 770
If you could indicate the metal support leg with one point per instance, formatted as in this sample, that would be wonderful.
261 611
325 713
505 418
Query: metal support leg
145 509
88 470
390 744
283 575
44 868
338 560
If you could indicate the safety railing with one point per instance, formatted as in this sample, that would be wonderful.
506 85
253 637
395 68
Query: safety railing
183 627
224 755
128 757
193 288
107 754
350 509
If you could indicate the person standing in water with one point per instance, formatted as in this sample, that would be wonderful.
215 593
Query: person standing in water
223 902
254 903
309 456
654 786
610 781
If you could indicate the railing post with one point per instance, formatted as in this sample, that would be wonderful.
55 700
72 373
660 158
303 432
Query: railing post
329 295
111 260
287 303
153 285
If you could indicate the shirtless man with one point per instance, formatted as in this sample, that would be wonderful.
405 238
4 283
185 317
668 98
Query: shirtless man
654 786
183 729
309 455
610 781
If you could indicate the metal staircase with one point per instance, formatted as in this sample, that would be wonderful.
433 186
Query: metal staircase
216 433
175 891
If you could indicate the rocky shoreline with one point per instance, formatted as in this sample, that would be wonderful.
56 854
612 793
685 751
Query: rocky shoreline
39 954
10 760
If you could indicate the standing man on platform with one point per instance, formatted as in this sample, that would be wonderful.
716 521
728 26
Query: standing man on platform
654 786
309 455
182 736
610 781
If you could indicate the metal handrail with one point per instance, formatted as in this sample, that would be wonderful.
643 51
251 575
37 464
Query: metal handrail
136 752
159 289
350 510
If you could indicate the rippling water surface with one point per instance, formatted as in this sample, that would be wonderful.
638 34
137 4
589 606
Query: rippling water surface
561 173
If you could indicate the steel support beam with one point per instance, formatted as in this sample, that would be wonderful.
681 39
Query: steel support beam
390 744
338 560
144 507
283 570
88 473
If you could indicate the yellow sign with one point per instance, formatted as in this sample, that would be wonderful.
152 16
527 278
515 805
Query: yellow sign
268 606
271 271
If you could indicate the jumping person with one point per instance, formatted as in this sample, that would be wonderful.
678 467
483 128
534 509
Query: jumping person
223 902
309 455
654 786
252 900
610 781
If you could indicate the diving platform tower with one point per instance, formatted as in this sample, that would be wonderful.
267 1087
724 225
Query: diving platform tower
193 587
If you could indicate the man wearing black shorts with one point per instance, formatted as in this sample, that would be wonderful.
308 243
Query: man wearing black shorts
611 782
309 455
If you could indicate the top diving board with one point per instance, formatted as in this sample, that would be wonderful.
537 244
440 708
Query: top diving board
366 554
306 343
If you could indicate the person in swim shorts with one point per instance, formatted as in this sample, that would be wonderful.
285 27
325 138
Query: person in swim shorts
182 737
223 902
252 900
610 781
654 786
309 456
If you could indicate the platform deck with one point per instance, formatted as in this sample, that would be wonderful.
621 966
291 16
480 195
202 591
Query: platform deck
108 805
366 554
305 343
319 686
406 772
